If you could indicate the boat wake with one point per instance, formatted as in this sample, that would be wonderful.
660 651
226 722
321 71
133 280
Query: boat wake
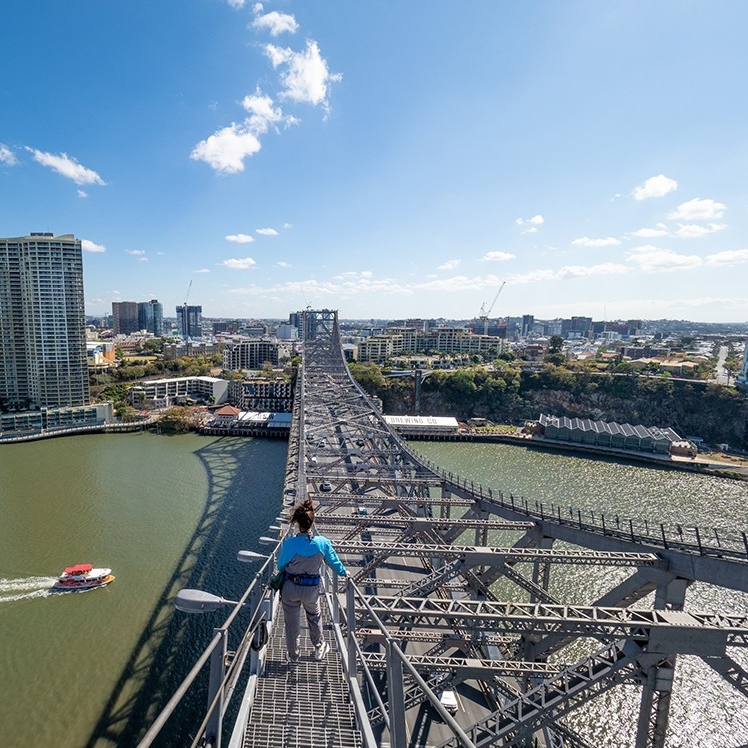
25 588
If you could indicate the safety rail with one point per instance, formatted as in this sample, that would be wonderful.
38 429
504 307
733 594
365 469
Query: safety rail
626 529
223 680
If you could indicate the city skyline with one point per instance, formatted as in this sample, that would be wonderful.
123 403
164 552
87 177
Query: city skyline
387 160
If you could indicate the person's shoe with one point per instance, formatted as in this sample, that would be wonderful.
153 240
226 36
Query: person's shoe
290 660
321 651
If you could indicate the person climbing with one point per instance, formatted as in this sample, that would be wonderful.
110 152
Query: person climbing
300 559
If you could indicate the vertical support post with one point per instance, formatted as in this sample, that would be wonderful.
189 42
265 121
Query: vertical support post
215 688
350 613
396 696
654 709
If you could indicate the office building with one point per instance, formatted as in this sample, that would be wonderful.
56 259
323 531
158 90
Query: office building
125 314
151 317
42 323
190 321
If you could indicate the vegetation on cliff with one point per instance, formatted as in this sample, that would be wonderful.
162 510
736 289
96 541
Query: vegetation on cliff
504 393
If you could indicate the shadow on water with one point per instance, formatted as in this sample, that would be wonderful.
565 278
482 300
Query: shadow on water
245 479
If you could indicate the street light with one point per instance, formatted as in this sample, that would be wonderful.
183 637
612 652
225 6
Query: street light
197 601
247 556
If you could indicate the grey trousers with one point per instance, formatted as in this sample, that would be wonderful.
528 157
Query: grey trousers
293 596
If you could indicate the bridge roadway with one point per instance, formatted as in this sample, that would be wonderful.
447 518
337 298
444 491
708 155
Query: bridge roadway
428 553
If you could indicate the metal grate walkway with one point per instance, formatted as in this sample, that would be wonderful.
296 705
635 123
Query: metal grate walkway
305 705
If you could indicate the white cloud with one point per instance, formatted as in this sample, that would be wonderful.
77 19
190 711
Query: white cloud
237 4
497 256
585 271
531 277
266 232
349 285
534 221
659 230
654 187
287 225
7 156
306 76
88 246
657 260
694 231
82 194
135 252
585 241
728 257
448 265
226 149
698 209
243 263
353 274
240 238
262 113
202 270
276 23
568 272
283 264
67 166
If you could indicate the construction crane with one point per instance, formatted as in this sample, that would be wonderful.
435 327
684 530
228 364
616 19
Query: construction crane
484 313
185 323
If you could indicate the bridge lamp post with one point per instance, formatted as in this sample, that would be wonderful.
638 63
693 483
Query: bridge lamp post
198 601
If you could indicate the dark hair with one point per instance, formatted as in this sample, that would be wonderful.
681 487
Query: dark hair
303 515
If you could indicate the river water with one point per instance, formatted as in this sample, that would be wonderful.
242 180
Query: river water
89 670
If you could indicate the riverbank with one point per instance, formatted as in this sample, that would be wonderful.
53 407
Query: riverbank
726 466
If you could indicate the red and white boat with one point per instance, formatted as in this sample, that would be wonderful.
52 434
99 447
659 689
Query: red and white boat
83 577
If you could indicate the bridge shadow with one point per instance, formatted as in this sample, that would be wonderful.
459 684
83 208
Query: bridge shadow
245 479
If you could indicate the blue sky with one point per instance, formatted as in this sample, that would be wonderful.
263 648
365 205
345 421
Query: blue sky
386 159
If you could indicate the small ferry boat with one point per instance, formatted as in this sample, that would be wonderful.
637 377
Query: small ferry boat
83 577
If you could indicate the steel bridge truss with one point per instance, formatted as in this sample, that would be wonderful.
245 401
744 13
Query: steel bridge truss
401 524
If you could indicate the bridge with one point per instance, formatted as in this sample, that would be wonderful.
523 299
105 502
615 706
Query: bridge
448 630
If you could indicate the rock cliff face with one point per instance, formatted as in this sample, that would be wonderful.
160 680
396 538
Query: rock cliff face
714 413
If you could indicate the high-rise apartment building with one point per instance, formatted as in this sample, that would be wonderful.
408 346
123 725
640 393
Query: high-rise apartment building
125 315
42 323
151 317
190 321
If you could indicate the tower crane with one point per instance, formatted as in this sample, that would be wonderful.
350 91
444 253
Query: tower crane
185 323
484 313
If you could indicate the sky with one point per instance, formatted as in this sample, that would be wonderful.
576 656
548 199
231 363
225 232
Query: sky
386 159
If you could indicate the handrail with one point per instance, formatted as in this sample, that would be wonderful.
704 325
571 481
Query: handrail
221 632
737 550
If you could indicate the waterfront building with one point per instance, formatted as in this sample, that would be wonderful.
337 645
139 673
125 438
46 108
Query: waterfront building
151 317
261 394
162 393
42 323
608 434
190 321
125 316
